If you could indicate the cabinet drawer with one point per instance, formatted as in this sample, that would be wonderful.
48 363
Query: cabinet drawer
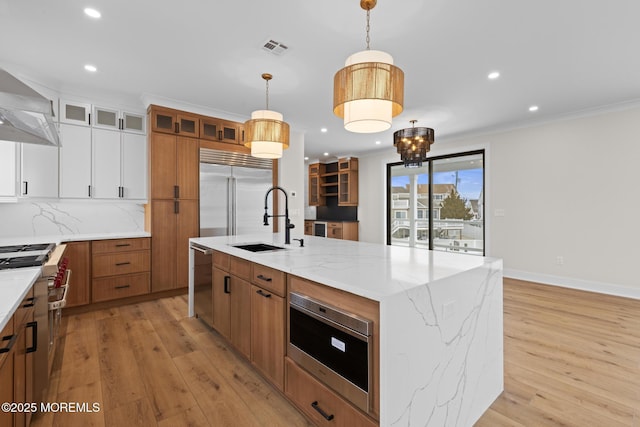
335 225
269 279
109 288
308 394
221 260
121 263
240 268
120 245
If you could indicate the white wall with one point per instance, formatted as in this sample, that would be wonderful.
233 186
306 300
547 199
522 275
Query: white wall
292 170
568 189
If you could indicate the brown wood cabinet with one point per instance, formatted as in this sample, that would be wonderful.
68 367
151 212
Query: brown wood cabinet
166 120
232 300
315 188
346 230
120 268
7 344
16 362
173 222
174 167
338 180
348 182
79 256
214 129
174 163
308 228
307 394
268 334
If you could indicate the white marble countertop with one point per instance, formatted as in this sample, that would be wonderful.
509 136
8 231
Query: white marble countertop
61 238
373 271
14 285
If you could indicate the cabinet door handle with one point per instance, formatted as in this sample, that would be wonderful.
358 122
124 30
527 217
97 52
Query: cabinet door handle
260 292
26 188
30 303
119 264
122 287
34 337
326 416
121 124
226 284
12 340
176 191
266 279
177 127
176 207
122 245
89 119
89 190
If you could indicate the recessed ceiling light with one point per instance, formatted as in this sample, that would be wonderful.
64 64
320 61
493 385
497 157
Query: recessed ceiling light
493 75
533 108
326 154
378 142
323 130
91 68
306 158
92 13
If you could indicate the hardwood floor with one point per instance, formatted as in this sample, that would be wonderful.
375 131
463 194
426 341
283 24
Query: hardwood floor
148 364
572 358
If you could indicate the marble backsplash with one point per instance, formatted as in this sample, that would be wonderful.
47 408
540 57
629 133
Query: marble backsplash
31 219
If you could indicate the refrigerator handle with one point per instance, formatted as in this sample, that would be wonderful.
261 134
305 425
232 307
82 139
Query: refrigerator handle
234 212
230 206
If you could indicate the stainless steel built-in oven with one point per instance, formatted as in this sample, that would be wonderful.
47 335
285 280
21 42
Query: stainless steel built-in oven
320 229
202 283
333 345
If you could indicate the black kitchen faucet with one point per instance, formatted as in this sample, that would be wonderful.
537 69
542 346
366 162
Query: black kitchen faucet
287 223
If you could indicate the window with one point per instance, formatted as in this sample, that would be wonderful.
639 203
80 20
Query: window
445 201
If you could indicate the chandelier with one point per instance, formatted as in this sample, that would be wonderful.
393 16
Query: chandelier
369 90
267 134
413 144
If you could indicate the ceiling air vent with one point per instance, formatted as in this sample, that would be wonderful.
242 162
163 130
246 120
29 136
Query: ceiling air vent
274 47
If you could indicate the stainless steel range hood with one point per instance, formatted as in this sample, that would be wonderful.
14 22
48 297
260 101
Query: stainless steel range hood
25 115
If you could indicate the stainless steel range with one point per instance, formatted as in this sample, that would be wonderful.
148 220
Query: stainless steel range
49 297
18 256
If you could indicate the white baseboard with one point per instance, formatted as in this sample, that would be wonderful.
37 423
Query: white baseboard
569 282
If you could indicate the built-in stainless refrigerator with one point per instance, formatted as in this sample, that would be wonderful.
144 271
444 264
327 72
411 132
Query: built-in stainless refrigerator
232 196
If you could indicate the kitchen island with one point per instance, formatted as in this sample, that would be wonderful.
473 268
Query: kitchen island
440 315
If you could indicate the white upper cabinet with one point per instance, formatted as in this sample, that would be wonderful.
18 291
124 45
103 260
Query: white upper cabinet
8 170
75 161
134 166
108 118
38 171
76 113
106 164
119 165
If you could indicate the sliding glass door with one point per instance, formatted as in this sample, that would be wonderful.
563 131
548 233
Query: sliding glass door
438 206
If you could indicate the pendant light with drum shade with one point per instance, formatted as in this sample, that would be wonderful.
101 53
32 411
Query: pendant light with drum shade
267 133
369 91
413 144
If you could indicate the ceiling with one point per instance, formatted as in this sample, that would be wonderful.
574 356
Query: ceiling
566 57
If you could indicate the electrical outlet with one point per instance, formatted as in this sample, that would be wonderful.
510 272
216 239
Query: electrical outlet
293 194
559 260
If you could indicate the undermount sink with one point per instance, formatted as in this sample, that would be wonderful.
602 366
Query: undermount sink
258 247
